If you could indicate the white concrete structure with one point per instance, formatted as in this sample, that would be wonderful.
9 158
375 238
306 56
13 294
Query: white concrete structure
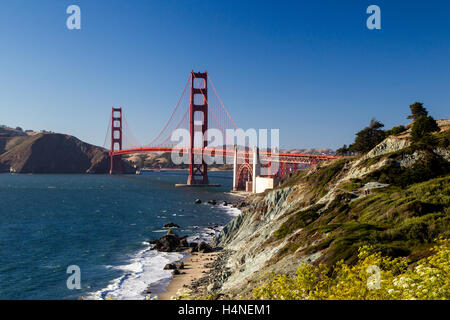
234 167
263 183
257 184
256 167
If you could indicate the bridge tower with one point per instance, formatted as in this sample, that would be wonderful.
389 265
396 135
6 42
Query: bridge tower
116 140
198 169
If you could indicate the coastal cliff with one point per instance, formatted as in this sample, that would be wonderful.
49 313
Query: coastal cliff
51 153
394 198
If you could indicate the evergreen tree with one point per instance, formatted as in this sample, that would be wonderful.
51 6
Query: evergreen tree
342 151
369 137
417 110
422 128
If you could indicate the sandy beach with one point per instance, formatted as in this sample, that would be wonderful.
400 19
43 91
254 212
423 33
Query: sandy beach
195 268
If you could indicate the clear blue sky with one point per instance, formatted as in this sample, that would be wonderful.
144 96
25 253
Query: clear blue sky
310 68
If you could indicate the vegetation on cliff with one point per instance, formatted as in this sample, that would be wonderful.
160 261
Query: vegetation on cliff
374 277
384 207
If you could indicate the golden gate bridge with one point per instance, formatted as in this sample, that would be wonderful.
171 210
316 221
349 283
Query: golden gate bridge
198 112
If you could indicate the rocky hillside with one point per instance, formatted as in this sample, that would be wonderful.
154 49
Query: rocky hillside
395 198
52 153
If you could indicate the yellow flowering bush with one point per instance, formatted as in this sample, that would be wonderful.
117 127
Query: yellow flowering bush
373 277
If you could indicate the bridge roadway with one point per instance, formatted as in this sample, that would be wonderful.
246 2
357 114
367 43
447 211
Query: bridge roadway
291 158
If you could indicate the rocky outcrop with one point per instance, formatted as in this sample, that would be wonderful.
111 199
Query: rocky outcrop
170 242
56 153
310 219
171 225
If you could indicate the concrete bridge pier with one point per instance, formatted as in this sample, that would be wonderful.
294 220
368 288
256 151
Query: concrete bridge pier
256 168
235 169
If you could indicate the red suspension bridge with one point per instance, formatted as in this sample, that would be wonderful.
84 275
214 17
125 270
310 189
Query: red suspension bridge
199 113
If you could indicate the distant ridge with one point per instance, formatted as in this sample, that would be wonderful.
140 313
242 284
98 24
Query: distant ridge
51 153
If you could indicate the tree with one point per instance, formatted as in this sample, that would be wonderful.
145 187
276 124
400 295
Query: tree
417 110
422 128
342 151
395 131
369 137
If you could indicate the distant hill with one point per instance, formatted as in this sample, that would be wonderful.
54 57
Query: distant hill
164 160
50 153
311 151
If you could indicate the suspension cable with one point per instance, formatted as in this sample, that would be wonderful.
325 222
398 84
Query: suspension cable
173 113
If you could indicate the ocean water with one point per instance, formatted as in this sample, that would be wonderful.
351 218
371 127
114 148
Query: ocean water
99 223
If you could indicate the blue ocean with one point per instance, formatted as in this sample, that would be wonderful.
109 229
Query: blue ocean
99 223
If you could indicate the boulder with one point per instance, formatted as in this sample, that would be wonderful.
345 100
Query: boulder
225 203
212 202
184 242
175 272
193 244
170 266
204 247
167 243
171 225
197 201
242 204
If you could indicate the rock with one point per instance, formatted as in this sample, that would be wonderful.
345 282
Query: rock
193 244
171 225
170 266
193 249
197 201
181 266
212 202
175 272
167 243
225 203
184 242
212 287
242 204
204 247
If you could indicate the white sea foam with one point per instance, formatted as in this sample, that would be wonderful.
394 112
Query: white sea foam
144 272
232 211
208 233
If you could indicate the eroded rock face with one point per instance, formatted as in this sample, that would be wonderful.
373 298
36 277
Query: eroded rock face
390 144
249 238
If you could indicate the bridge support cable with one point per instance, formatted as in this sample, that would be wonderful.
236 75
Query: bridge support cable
172 115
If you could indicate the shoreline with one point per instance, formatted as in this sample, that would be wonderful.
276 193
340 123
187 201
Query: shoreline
200 270
161 275
196 266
